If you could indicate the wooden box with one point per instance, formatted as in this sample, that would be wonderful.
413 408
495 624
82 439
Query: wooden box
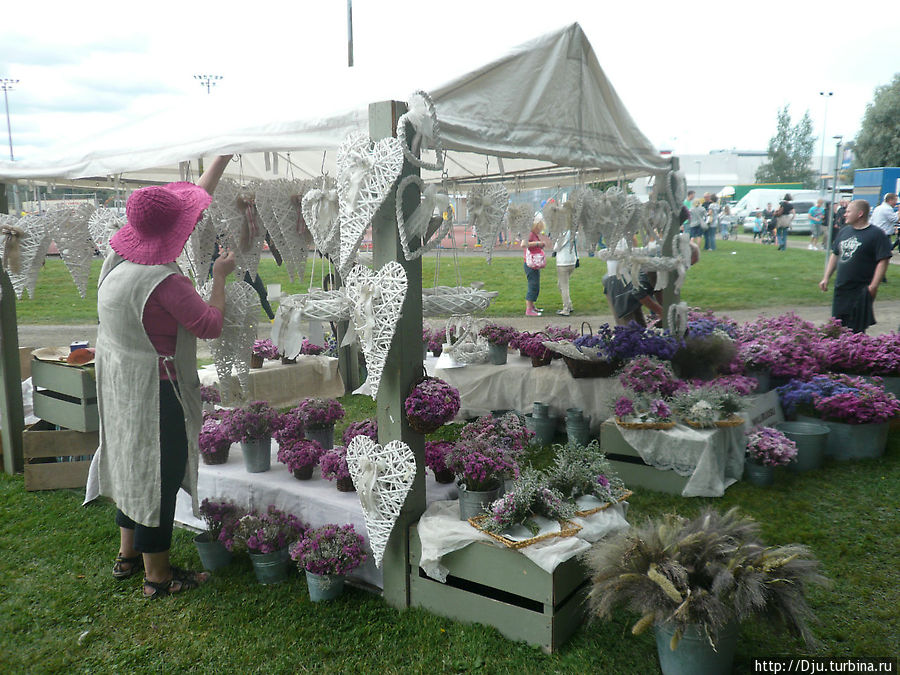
502 588
65 395
56 458
631 468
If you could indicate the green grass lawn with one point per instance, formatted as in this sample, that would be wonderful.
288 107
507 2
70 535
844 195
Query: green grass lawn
739 275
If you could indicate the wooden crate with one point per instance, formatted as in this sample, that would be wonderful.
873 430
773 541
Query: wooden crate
632 469
65 395
502 588
44 447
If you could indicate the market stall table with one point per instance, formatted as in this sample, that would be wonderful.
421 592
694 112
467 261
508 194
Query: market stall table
517 385
316 502
287 384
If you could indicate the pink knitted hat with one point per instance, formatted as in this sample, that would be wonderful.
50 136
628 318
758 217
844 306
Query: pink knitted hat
160 220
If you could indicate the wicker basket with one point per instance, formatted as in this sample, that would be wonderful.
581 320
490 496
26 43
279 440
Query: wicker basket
590 512
733 421
661 426
538 361
566 529
579 368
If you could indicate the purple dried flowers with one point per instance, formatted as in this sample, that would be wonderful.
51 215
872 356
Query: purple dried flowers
436 455
432 403
318 413
649 375
209 394
214 437
334 463
497 334
268 532
254 421
221 518
307 348
487 450
330 549
367 427
299 454
770 447
266 349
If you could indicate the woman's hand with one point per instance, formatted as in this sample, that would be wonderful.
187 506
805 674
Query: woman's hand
224 265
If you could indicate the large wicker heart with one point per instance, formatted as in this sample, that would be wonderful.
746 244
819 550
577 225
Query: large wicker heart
238 224
657 215
68 227
487 206
279 205
589 205
423 117
198 253
366 172
417 228
383 477
321 212
376 301
103 224
33 247
519 219
231 350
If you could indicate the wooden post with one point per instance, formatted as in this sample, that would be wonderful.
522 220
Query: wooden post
670 295
404 362
12 414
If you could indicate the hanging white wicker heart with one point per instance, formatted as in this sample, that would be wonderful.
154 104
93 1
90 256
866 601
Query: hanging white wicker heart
519 219
383 477
237 223
588 206
658 218
321 212
33 247
68 227
198 253
423 118
486 205
103 224
675 189
232 349
415 229
559 217
376 301
279 206
366 172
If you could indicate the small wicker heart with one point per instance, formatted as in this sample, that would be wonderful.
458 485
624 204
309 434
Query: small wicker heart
279 205
33 247
487 206
237 222
321 211
383 477
416 229
366 173
519 219
68 227
423 118
103 224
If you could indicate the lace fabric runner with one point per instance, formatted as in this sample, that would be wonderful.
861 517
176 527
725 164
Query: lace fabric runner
712 459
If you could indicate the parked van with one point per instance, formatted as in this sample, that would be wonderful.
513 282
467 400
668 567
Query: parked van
756 200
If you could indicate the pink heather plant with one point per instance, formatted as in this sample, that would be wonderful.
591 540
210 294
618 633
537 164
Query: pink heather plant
497 334
330 549
268 532
318 413
432 402
221 518
299 454
334 463
254 421
366 427
436 455
770 447
649 375
487 450
266 349
307 348
214 438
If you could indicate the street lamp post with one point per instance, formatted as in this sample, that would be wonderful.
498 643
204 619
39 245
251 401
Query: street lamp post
826 95
837 164
7 85
699 164
207 81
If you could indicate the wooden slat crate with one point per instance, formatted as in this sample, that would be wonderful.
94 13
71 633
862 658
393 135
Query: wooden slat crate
44 446
632 469
500 587
65 396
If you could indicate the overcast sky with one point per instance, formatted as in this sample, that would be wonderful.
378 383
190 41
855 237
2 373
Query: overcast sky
695 76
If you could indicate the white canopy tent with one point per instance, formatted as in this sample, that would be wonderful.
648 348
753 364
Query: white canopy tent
544 112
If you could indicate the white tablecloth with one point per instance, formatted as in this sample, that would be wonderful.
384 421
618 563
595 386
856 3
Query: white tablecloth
287 384
517 385
316 502
442 532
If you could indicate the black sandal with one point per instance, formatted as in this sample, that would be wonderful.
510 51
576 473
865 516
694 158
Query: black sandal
182 580
135 563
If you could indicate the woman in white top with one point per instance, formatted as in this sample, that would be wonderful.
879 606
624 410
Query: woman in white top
566 259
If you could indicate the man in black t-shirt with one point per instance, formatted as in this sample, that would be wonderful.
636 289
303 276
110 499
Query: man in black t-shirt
860 253
785 216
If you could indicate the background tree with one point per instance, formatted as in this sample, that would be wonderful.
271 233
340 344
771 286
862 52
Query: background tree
878 140
790 152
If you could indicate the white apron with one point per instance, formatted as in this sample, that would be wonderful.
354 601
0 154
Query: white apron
126 465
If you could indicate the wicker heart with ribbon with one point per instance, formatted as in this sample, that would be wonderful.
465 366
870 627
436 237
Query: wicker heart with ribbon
383 477
487 206
423 117
366 172
519 219
589 205
657 219
376 301
231 350
422 227
321 212
68 227
279 205
33 246
238 224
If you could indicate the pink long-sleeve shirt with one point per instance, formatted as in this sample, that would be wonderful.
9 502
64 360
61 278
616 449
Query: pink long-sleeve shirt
174 301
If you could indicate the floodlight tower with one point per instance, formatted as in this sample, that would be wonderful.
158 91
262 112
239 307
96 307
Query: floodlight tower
8 84
207 81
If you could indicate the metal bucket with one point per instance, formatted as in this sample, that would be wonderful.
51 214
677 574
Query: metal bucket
811 440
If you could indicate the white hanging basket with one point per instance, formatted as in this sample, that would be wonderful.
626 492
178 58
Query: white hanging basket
453 300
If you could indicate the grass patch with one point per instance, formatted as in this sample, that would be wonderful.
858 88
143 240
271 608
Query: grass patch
739 275
60 610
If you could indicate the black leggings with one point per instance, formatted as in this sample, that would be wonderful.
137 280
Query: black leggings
173 461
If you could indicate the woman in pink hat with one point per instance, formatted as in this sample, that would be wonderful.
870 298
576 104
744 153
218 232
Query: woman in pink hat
146 365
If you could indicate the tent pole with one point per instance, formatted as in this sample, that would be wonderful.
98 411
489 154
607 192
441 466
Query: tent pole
404 361
670 295
12 414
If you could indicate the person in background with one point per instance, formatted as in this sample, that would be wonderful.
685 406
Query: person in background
884 216
784 216
816 221
148 392
725 222
566 252
534 245
840 210
757 226
698 220
689 201
712 221
860 254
